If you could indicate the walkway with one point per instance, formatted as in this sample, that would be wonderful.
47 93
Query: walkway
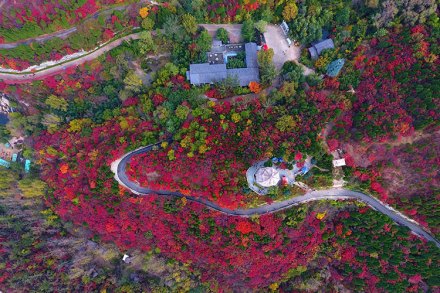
119 168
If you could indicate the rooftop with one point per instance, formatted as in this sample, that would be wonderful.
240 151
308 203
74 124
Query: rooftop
215 58
339 163
215 70
317 48
206 73
335 67
244 75
251 55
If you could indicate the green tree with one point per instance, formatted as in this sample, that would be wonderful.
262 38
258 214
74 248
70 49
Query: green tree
173 29
5 134
189 24
32 187
27 153
7 179
306 29
417 11
195 7
248 31
268 74
51 121
204 41
20 123
222 35
265 57
57 103
292 71
146 43
167 71
286 123
313 79
227 85
343 16
288 89
133 82
182 112
267 68
261 26
147 24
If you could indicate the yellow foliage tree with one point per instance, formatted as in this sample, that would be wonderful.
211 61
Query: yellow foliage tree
32 187
236 117
77 125
273 287
320 216
143 12
290 11
322 62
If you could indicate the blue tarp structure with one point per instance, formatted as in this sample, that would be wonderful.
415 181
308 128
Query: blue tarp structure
4 163
27 166
335 67
304 169
4 118
14 158
277 160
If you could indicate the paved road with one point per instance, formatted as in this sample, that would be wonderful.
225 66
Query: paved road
63 34
26 77
119 168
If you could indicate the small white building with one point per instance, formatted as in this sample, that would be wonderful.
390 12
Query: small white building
285 28
126 258
339 163
267 177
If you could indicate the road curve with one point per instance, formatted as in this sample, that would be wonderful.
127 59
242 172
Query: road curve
119 168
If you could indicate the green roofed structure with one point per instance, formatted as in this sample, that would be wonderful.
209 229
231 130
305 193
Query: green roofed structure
335 67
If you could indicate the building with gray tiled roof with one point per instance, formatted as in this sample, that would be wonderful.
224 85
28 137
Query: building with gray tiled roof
244 75
215 70
317 48
206 73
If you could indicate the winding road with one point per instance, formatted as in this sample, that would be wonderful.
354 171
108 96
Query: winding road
119 168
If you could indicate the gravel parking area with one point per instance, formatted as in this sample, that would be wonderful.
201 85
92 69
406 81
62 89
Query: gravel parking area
276 40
